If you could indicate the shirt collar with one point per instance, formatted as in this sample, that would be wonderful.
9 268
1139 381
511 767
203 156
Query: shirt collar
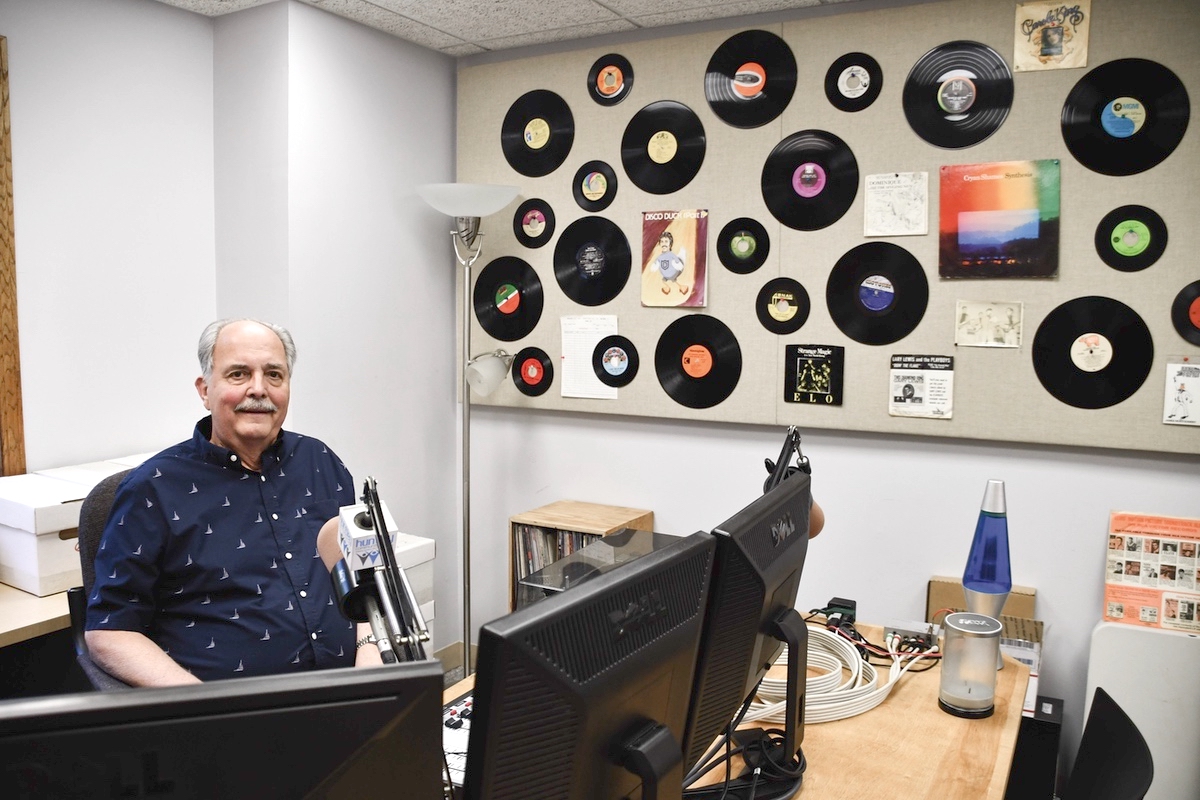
216 454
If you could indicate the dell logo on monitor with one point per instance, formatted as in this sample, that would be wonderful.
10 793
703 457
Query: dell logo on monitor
782 528
637 613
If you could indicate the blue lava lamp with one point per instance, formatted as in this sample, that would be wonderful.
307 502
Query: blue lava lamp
987 579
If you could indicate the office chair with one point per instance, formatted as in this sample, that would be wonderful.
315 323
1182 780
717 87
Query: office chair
93 515
1113 762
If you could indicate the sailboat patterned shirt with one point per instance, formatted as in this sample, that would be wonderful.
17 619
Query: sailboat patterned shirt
218 564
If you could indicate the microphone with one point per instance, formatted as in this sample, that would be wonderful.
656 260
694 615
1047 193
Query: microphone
354 598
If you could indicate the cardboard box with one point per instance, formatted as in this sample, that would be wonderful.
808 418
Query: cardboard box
39 544
948 593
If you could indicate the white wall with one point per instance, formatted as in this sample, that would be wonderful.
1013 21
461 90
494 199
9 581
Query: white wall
113 192
899 510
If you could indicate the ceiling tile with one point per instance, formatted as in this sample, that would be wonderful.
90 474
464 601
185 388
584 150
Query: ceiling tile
559 35
472 20
215 8
700 13
372 15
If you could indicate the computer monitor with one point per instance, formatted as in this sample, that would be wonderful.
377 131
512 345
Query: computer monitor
751 614
341 733
585 694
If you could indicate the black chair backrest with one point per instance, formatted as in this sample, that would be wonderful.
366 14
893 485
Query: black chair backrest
1113 762
93 516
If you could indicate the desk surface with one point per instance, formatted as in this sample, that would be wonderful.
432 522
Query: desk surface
907 746
25 616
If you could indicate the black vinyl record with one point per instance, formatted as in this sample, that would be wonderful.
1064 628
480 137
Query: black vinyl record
595 186
743 245
1185 312
615 361
663 147
508 298
750 79
698 361
610 79
958 94
1092 352
592 261
877 293
810 180
853 82
1125 116
782 305
537 133
533 224
532 371
1131 238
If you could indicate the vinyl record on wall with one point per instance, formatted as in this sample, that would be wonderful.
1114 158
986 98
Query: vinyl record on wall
1125 116
610 79
1092 352
537 133
877 293
743 245
594 186
750 79
1185 312
508 298
532 371
592 261
782 305
663 147
853 82
1131 238
810 180
615 361
698 361
533 222
958 94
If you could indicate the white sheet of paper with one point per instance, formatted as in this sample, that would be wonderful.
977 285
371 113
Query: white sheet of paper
579 337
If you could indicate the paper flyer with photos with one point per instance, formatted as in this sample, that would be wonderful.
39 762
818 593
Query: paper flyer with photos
1150 574
674 258
1051 35
921 386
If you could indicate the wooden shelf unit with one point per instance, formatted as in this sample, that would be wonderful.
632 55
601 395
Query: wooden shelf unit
563 527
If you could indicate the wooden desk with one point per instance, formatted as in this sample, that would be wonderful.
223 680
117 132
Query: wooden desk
25 616
907 746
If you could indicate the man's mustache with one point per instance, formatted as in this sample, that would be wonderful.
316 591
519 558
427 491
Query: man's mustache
257 405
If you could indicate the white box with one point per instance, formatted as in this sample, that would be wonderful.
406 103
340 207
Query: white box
39 544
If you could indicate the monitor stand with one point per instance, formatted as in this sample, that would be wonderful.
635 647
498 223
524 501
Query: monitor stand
654 755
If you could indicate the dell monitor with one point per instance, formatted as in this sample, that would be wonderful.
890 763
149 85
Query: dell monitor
751 615
340 733
584 695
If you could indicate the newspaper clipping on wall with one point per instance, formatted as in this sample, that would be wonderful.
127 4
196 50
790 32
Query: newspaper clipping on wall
1150 575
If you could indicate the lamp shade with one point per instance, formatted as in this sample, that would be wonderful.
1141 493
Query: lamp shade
467 199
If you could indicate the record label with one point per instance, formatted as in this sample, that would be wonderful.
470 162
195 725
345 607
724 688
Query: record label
1123 117
853 82
808 180
782 305
1131 238
956 95
697 361
532 372
1091 352
615 361
592 261
610 79
533 223
876 293
537 133
662 147
508 299
750 79
743 245
593 186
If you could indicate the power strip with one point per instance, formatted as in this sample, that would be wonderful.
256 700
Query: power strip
923 634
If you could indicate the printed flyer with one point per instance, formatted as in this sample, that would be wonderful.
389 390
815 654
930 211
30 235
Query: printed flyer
921 386
674 258
1150 576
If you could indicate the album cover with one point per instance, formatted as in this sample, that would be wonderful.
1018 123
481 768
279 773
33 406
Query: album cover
921 386
813 374
1181 398
675 258
999 220
1051 34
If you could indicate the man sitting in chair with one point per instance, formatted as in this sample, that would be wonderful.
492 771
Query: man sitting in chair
208 566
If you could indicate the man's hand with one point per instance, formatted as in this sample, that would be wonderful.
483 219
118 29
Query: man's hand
135 659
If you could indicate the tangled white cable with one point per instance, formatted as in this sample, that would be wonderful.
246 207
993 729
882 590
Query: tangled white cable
833 694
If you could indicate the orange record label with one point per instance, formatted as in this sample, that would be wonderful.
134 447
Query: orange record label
610 81
532 371
749 80
1194 312
697 361
507 298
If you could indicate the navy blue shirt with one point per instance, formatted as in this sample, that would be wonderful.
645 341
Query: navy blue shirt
218 564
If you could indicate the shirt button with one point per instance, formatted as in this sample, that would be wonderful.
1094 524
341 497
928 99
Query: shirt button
263 478
274 516
314 636
303 593
232 457
287 555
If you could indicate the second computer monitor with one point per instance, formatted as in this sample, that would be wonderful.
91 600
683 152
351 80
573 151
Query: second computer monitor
756 573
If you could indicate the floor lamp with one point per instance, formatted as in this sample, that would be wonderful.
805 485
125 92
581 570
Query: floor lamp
468 203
